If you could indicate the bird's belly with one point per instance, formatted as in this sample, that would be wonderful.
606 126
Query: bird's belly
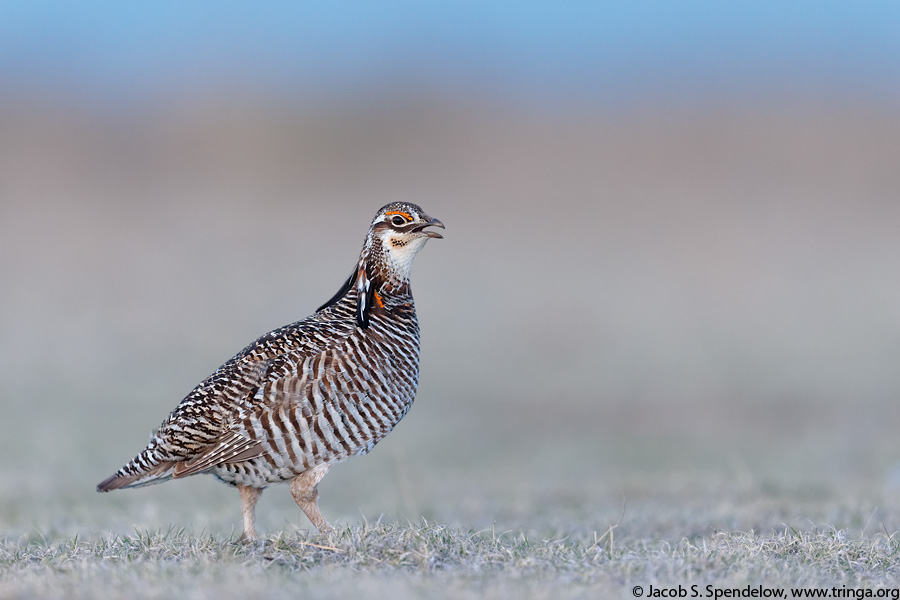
260 472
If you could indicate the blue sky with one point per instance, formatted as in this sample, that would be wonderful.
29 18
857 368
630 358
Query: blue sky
540 49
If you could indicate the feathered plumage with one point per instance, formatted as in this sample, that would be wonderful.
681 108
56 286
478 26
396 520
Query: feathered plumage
309 394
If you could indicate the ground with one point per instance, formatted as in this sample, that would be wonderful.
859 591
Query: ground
596 515
414 560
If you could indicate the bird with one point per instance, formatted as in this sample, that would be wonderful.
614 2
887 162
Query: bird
308 395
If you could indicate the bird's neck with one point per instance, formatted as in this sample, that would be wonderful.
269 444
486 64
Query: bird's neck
384 275
388 285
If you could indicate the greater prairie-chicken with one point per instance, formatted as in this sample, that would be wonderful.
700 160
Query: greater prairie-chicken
308 395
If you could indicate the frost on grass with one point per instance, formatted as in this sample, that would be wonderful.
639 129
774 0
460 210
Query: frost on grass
434 560
424 548
788 557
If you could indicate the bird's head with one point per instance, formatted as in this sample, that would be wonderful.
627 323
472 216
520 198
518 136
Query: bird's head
398 232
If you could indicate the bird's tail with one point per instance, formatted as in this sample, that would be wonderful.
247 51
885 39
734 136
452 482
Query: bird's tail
142 470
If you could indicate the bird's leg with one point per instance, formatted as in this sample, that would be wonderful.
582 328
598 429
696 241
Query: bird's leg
249 496
303 489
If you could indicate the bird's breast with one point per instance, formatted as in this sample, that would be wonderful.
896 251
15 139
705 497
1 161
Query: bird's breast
333 404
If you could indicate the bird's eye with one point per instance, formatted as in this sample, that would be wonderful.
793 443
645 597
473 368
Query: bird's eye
398 220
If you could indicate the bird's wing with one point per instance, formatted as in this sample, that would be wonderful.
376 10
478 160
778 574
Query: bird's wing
212 421
202 430
233 447
202 420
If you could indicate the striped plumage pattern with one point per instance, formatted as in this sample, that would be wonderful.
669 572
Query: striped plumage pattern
309 394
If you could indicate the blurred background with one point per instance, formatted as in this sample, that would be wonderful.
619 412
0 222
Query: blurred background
669 279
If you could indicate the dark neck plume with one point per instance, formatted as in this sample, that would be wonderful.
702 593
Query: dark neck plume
371 281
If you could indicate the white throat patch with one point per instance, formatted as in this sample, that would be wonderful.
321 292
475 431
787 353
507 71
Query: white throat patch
400 252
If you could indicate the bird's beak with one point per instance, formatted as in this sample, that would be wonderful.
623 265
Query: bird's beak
432 234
